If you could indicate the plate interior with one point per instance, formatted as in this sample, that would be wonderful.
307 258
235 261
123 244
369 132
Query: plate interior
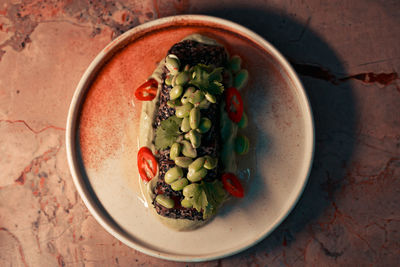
106 132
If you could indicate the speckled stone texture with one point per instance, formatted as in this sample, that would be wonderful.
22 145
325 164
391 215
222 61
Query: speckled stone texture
348 56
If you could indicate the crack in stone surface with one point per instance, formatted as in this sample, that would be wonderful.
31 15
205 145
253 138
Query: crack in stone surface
370 77
303 31
20 248
329 253
33 130
322 73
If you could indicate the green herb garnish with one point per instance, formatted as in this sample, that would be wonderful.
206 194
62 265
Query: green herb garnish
210 198
200 201
216 195
167 132
208 79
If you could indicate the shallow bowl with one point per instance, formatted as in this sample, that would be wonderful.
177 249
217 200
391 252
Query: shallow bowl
102 134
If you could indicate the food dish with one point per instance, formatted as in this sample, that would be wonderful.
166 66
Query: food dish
191 112
102 131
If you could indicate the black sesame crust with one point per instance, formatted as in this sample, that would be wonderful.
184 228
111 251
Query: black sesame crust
189 53
192 53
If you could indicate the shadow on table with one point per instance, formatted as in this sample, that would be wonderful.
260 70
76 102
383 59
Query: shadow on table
333 109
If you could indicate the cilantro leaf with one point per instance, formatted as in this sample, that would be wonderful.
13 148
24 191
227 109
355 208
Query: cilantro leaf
208 79
215 88
200 201
205 67
167 132
201 75
216 195
210 198
216 75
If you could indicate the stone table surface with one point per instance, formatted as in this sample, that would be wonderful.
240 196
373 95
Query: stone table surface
347 54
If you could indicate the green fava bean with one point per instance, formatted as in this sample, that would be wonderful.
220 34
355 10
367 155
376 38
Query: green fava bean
235 63
176 92
210 162
241 79
173 81
173 174
175 150
243 121
186 203
174 103
184 100
190 191
179 184
188 92
182 78
196 97
197 164
165 201
195 138
185 125
205 125
242 144
211 98
204 104
172 63
195 176
194 118
179 139
188 150
187 136
168 80
184 110
183 162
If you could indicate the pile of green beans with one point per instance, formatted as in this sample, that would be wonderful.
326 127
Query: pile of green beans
187 101
239 76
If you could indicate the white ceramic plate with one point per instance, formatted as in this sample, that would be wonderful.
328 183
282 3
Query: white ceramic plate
102 133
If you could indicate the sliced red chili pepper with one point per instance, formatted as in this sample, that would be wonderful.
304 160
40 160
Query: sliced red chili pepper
146 170
147 91
232 185
234 104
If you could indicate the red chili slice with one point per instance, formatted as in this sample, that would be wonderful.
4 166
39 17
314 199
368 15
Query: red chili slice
232 185
147 91
147 171
234 104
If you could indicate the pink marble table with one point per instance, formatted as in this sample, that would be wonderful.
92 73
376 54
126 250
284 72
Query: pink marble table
348 56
